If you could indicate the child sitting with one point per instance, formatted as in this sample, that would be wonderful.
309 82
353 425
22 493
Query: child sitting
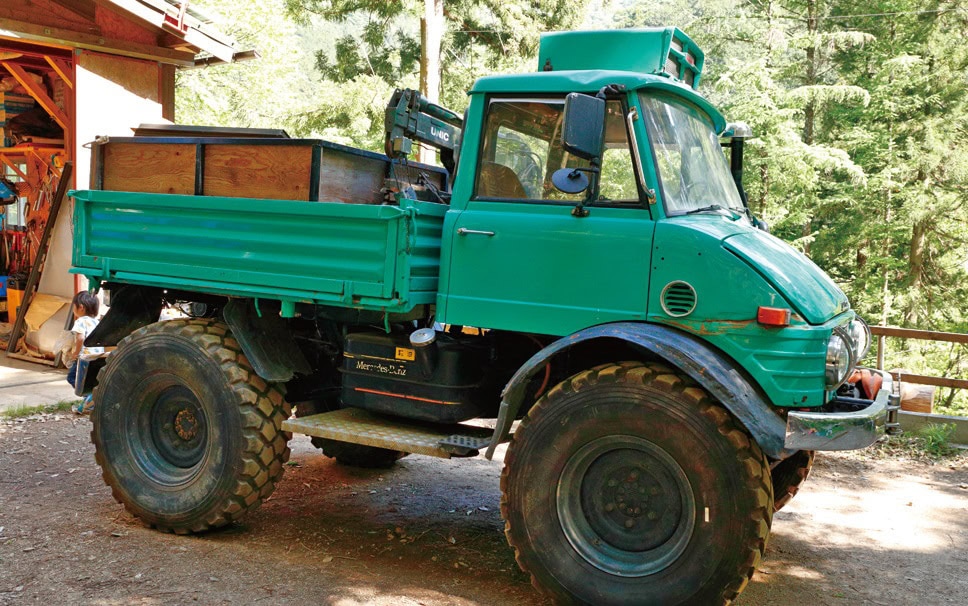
85 306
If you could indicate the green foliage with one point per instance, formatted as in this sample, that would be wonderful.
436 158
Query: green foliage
378 50
351 115
18 412
375 48
261 93
935 438
930 443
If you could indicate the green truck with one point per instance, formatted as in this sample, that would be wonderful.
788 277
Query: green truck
584 273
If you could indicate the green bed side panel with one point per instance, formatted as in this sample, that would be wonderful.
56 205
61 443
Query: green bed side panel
353 255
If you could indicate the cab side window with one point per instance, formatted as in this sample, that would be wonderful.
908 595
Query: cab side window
522 149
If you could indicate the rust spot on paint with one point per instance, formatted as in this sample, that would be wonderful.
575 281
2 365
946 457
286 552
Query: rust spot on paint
711 327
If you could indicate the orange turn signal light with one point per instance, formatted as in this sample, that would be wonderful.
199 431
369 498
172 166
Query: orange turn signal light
773 316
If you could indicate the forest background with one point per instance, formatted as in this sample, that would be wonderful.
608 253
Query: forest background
860 110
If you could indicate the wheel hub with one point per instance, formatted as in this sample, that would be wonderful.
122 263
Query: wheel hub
186 426
178 427
630 500
625 505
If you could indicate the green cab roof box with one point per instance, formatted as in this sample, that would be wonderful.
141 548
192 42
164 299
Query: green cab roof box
661 51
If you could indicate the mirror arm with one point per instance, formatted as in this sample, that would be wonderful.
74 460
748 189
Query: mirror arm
610 90
736 168
580 210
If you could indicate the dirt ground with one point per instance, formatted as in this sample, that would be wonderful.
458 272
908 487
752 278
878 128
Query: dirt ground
862 531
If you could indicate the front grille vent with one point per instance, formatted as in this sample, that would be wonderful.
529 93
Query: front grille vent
678 299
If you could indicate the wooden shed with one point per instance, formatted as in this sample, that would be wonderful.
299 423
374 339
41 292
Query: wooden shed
72 70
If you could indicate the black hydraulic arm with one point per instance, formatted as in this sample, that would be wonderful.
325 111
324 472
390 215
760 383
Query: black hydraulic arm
411 117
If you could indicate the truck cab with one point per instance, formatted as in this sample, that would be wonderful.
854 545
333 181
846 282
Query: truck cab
663 236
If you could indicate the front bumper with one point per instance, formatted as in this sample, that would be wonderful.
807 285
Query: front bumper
841 430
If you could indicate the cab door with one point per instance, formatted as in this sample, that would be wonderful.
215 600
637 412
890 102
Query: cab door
520 258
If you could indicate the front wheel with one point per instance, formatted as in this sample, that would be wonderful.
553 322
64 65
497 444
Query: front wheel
627 484
788 475
188 437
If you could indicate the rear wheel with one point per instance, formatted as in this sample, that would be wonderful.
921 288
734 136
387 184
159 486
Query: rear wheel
627 484
788 475
346 453
188 437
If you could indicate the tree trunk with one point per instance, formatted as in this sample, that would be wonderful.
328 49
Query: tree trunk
889 201
765 186
431 37
916 270
810 111
886 287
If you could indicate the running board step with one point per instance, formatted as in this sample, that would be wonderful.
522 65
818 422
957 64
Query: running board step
358 426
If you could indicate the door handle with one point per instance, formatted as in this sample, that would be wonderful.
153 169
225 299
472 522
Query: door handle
463 231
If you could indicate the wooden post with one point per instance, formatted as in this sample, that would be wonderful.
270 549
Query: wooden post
34 278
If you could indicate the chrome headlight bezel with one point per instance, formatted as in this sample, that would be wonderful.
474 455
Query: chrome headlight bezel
860 334
840 358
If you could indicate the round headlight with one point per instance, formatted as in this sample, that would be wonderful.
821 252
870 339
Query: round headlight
840 359
860 336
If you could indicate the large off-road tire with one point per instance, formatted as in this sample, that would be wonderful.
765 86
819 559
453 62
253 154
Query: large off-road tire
188 437
788 475
345 453
627 484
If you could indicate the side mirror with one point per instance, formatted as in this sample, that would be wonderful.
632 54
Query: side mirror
583 131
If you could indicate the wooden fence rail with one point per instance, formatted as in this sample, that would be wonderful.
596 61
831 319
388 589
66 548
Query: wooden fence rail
881 332
912 421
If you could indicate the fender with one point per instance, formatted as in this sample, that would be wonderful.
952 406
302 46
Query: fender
708 367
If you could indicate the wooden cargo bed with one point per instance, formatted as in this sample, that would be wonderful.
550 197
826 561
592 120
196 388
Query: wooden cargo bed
252 167
224 212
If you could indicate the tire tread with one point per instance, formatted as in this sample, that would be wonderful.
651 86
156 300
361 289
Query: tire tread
789 475
263 408
659 375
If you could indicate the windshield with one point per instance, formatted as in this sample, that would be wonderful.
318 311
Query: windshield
693 171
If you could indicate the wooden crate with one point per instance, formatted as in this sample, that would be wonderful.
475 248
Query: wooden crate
268 168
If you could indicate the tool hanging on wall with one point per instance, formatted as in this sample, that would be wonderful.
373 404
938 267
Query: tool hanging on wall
17 262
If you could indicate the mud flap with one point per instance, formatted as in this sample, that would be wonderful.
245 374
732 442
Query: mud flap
132 307
266 341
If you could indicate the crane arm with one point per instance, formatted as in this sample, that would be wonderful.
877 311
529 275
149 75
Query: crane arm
411 117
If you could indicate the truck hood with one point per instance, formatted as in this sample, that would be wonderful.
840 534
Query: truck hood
804 285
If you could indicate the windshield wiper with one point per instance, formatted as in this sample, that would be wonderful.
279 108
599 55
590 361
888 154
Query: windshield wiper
714 207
